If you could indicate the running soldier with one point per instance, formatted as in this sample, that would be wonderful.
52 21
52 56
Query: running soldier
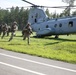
27 31
14 28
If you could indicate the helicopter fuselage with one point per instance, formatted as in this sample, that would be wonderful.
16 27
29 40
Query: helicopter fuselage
59 26
42 25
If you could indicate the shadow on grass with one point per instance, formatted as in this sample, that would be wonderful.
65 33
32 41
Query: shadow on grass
52 43
17 44
14 44
4 41
57 40
62 39
18 36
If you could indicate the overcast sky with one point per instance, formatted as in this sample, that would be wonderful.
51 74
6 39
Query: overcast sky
9 3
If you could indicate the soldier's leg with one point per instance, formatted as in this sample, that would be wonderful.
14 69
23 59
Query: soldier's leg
12 34
24 37
28 40
4 32
7 33
22 33
0 32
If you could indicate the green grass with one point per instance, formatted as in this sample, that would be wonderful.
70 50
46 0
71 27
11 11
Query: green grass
62 49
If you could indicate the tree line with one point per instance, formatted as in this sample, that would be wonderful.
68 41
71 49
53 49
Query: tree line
65 13
21 15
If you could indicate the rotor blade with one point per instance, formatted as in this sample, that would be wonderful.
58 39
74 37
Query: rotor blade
48 6
19 7
29 2
57 6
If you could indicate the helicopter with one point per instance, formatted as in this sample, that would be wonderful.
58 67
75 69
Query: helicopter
43 26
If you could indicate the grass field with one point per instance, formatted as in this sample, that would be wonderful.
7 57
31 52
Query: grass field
62 49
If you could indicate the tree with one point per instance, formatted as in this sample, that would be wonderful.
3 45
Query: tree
2 14
23 17
47 12
14 14
74 13
68 9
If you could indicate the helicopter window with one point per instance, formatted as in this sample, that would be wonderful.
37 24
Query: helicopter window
36 15
39 29
71 24
60 25
55 25
35 20
32 16
47 26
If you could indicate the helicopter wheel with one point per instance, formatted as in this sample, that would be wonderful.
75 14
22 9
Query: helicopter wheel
56 36
40 36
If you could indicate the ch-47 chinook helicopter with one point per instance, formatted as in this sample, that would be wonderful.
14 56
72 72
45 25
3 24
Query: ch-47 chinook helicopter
43 26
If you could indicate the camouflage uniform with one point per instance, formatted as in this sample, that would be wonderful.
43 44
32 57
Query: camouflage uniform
27 32
13 29
4 30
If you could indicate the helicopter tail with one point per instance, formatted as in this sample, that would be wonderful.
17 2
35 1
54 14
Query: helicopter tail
36 15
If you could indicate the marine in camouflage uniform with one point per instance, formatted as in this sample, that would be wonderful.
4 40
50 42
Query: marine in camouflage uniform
4 30
13 29
27 31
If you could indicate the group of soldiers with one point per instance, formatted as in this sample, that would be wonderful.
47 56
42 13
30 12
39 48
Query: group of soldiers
5 29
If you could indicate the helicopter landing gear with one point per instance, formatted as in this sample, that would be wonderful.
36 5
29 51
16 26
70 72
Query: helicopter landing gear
56 36
39 36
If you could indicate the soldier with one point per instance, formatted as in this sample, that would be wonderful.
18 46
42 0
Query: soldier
13 29
27 32
4 30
